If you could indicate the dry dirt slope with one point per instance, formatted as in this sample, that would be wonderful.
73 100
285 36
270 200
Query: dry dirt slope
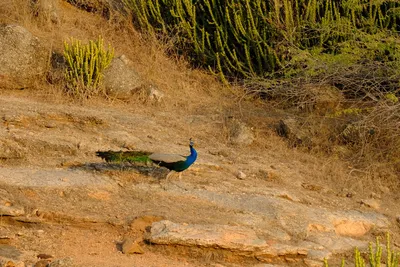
57 198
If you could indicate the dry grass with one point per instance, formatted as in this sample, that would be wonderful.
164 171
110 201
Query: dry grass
15 12
185 88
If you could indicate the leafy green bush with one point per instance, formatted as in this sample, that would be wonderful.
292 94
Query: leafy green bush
85 66
374 256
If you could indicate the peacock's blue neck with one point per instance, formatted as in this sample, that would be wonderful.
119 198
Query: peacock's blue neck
192 157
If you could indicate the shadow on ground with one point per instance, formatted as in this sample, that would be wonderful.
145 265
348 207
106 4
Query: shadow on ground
155 172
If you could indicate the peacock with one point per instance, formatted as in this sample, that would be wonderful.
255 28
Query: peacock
173 162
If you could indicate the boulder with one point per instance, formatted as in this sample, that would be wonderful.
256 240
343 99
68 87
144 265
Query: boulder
154 94
239 132
23 58
232 238
46 10
120 79
294 132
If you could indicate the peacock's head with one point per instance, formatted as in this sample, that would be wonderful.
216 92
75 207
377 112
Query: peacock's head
191 143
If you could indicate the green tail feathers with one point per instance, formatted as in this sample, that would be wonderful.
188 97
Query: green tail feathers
125 156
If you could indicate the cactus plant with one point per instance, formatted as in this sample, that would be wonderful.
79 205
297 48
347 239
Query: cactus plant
85 66
248 38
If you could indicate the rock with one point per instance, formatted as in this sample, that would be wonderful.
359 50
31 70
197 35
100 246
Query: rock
294 132
40 232
233 238
223 236
315 227
269 176
288 196
42 263
56 74
139 224
50 124
64 262
22 57
154 94
44 256
312 187
278 234
28 219
6 262
221 153
337 244
240 175
319 254
288 252
344 192
352 228
130 246
294 218
9 252
372 203
239 132
120 79
47 10
267 265
11 211
312 263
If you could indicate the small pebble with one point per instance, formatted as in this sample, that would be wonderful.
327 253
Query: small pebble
65 262
240 175
372 203
375 195
50 124
42 263
44 256
130 246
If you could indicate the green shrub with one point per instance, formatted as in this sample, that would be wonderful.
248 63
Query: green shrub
232 37
85 66
374 256
247 38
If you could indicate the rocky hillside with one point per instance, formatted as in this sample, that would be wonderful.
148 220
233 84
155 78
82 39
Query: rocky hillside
248 200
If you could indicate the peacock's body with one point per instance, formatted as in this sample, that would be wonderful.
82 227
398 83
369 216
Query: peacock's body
173 162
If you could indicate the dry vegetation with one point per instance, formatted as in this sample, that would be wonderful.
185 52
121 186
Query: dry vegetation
196 92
